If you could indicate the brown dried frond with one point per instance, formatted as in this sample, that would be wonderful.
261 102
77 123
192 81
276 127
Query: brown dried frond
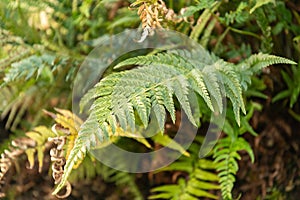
153 14
57 155
18 147
41 138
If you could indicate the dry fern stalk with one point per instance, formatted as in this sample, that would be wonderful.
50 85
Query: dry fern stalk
57 157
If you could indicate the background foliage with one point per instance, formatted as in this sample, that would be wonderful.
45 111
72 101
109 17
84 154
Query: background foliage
43 44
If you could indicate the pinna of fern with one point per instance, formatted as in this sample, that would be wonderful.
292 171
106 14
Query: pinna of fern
151 88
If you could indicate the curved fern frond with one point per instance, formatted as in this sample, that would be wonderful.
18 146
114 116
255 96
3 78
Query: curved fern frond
193 73
122 97
15 104
233 88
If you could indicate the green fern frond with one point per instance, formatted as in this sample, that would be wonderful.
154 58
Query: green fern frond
293 86
127 180
260 3
201 179
122 96
255 63
199 6
264 25
29 67
239 15
258 61
193 74
226 158
33 79
140 89
198 55
14 104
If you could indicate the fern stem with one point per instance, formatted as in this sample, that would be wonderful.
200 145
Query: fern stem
244 32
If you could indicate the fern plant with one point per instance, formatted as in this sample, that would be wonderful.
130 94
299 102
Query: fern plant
152 87
155 84
226 157
199 182
34 78
293 84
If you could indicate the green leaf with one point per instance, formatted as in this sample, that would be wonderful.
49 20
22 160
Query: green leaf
260 3
30 156
166 141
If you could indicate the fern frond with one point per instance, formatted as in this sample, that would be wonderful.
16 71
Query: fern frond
233 89
40 135
33 79
140 89
85 141
258 61
29 67
201 179
226 159
121 96
254 64
15 103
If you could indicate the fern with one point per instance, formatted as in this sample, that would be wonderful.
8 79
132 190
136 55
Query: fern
34 79
200 6
201 178
293 84
260 3
35 67
151 88
13 49
254 64
40 135
239 15
203 19
226 157
35 143
226 152
262 22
